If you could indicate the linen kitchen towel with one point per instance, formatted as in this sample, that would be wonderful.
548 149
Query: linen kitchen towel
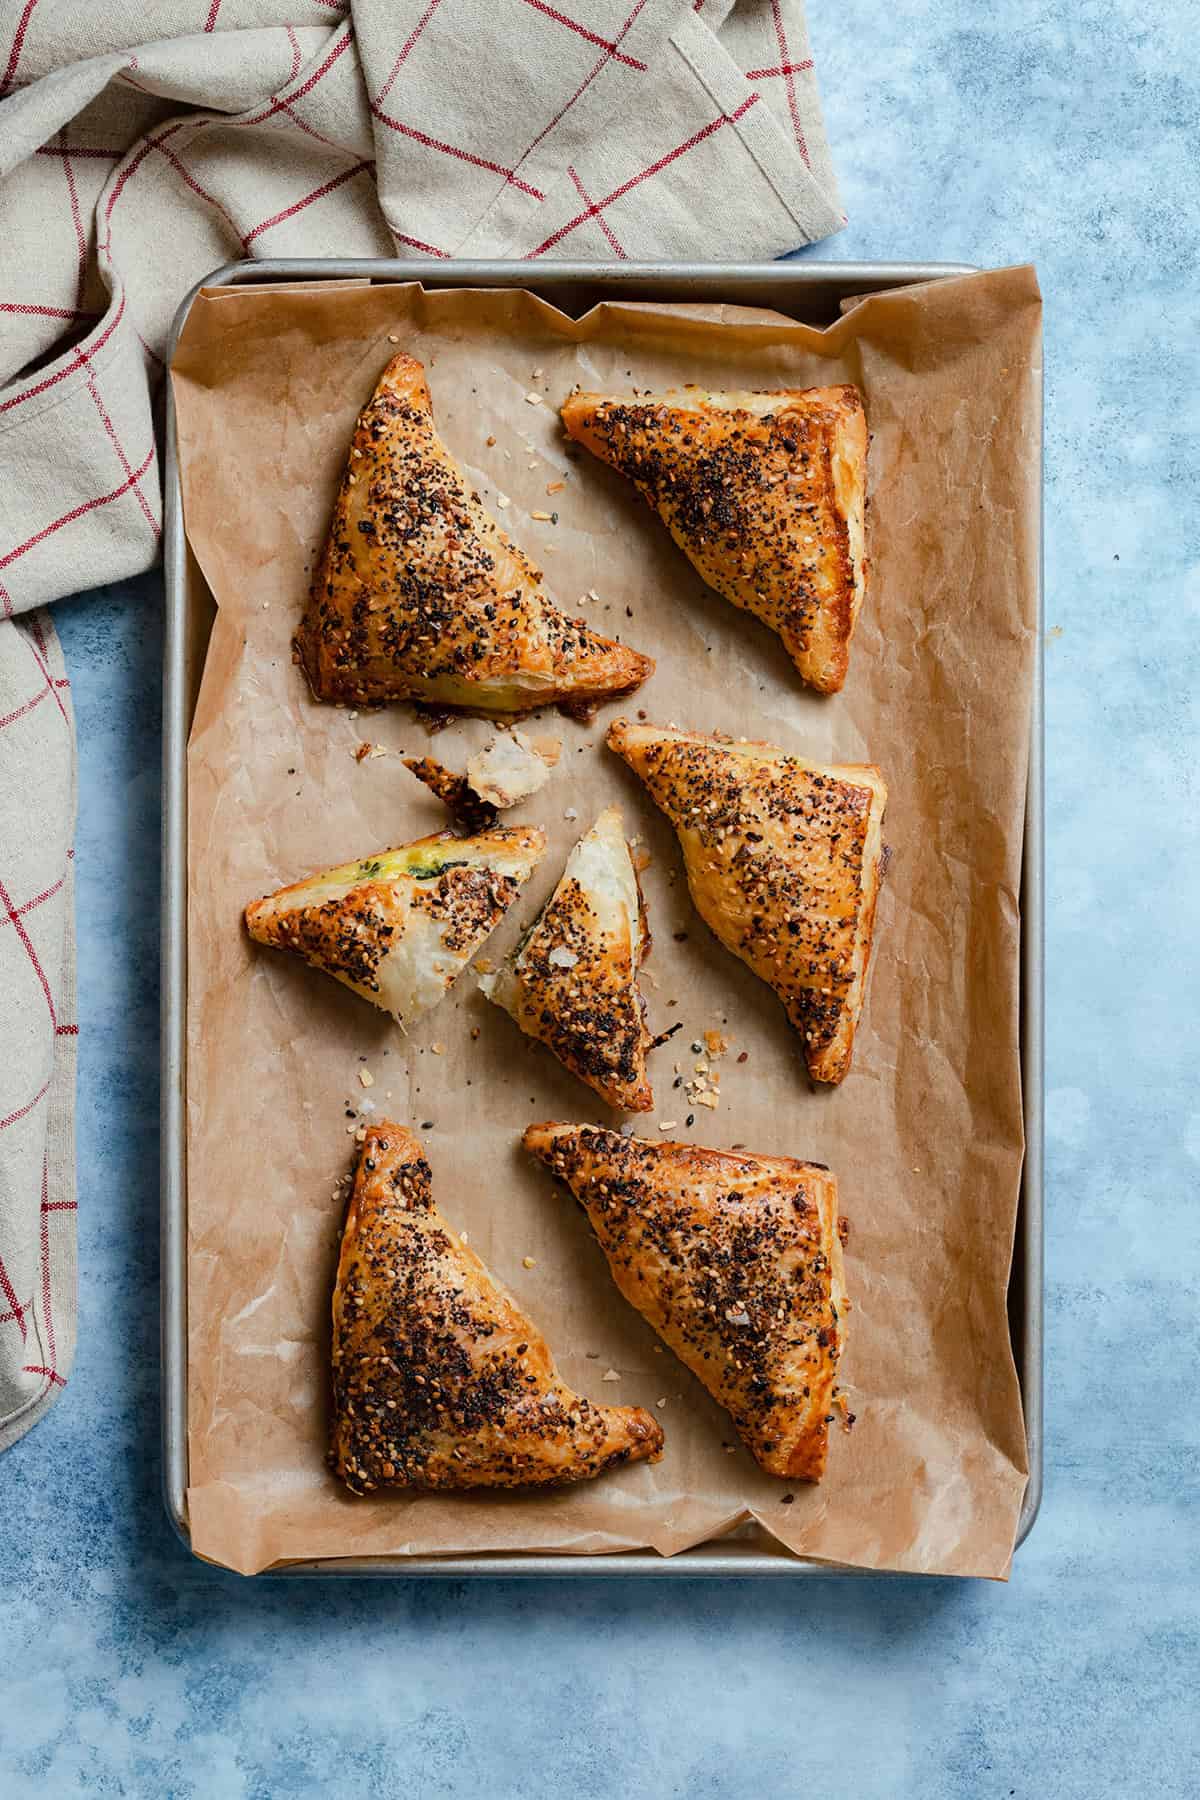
144 144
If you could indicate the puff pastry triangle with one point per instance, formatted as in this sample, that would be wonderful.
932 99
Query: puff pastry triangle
419 595
573 982
399 926
440 1380
736 1261
764 492
783 862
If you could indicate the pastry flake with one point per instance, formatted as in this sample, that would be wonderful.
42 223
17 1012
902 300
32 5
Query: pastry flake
736 1261
419 595
783 862
440 1380
573 981
507 770
764 492
468 813
399 926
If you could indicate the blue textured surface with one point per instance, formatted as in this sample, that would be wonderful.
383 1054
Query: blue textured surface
1067 133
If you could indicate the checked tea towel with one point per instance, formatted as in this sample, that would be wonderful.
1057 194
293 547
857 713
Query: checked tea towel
145 142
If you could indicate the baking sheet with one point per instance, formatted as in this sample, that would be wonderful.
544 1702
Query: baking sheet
926 1133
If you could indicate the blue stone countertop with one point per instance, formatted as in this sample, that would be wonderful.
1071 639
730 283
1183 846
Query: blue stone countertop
1065 133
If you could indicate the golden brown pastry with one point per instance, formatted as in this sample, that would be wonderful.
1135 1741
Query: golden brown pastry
439 1378
468 813
764 492
573 981
399 926
783 862
420 596
736 1261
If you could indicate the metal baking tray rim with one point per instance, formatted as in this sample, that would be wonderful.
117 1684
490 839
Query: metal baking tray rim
762 284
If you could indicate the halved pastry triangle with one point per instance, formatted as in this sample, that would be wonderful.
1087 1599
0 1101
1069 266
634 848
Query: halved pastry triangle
439 1379
764 492
783 862
736 1262
419 595
399 926
573 981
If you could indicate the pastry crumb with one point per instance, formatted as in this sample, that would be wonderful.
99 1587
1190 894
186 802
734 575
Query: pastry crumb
489 440
484 965
668 1124
392 338
544 517
533 399
661 1403
502 500
529 1262
366 1078
555 487
507 770
717 1043
438 1049
610 1375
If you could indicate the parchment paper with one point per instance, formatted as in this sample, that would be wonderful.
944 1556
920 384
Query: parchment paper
925 1136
